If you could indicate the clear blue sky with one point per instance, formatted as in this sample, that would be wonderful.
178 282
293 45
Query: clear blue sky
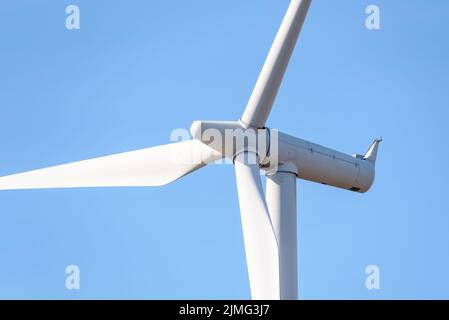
139 69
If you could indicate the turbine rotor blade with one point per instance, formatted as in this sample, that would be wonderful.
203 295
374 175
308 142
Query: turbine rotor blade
270 79
262 254
147 167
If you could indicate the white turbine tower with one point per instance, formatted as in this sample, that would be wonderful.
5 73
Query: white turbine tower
269 223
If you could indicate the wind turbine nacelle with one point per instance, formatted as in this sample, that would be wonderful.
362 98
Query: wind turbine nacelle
313 162
326 166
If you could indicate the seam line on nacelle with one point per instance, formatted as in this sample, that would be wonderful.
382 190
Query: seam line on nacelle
333 157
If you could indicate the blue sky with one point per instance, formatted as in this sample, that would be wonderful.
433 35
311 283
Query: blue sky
136 70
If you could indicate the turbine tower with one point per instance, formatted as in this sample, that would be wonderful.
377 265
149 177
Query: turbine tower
268 221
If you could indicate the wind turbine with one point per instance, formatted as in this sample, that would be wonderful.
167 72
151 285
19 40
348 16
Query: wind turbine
268 223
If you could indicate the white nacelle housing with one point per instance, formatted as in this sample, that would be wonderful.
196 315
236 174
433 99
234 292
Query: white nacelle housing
323 165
